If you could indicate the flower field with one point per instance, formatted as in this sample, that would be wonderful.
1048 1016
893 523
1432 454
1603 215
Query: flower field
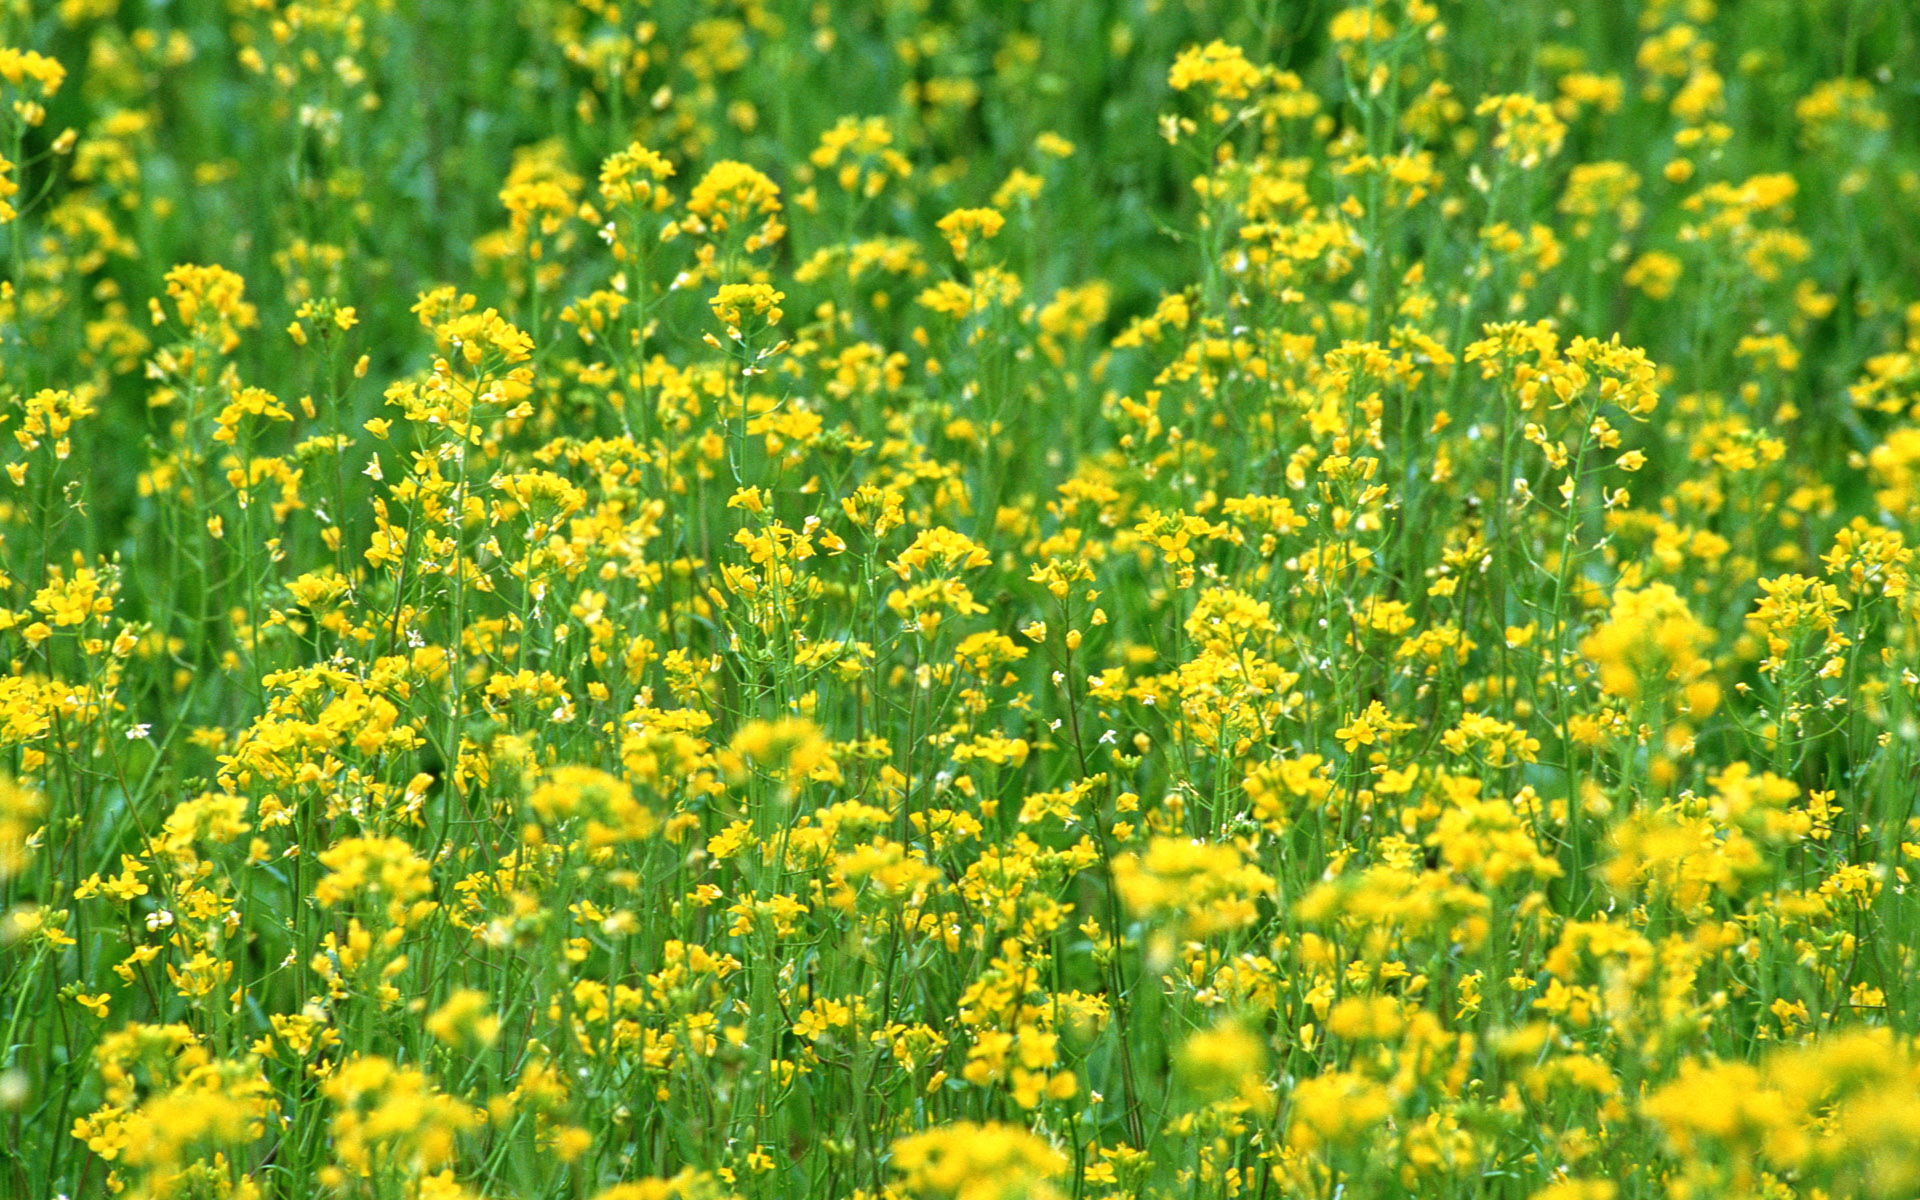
961 600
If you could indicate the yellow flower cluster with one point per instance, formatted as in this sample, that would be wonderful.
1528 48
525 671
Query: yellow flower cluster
609 600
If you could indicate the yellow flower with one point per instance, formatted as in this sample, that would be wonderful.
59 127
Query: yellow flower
962 225
735 303
968 1161
384 874
1199 888
1335 1110
1217 68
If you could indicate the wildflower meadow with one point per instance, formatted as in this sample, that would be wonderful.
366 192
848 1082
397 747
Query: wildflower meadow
959 599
